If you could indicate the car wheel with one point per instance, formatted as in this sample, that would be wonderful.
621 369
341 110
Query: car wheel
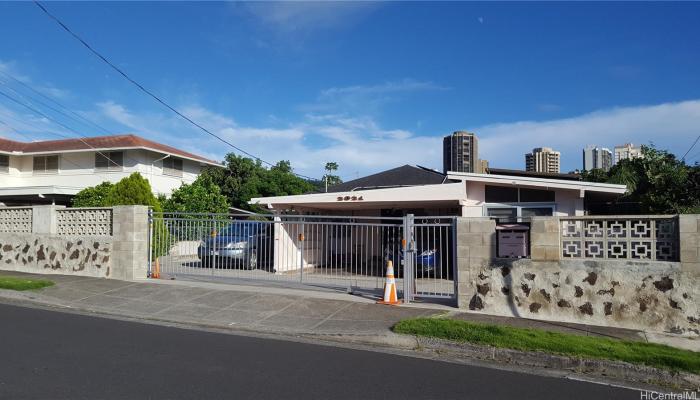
253 261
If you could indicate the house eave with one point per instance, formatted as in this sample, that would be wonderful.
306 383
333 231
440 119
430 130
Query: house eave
538 182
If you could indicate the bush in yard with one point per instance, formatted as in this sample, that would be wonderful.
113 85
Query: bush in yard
202 196
132 190
94 196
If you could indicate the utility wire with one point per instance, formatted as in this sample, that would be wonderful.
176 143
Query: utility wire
62 158
691 147
77 115
149 93
34 110
29 100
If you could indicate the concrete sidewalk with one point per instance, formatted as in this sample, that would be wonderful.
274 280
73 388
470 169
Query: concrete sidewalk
260 308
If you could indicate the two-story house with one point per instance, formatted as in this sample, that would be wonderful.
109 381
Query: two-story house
53 171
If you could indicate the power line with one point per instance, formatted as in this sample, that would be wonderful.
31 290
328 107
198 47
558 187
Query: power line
34 110
691 147
149 93
62 158
87 121
29 99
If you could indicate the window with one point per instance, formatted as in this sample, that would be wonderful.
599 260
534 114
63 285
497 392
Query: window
527 212
506 194
536 196
172 166
109 160
4 163
518 214
502 214
501 194
46 164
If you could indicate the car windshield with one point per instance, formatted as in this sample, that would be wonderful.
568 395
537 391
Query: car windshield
240 229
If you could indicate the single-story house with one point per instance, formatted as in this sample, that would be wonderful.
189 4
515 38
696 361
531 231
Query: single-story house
422 191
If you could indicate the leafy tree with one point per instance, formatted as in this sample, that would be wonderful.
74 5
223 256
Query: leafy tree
202 196
595 175
132 190
658 182
329 178
94 196
244 178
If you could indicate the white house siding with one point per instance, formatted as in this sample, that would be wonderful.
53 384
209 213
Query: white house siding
567 202
77 171
473 204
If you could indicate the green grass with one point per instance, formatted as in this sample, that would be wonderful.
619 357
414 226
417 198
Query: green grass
654 355
16 283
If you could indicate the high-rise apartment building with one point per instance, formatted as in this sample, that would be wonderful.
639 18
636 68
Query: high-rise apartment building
460 152
543 159
627 151
595 157
482 166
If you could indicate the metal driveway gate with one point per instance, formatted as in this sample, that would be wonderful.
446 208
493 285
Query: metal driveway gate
330 251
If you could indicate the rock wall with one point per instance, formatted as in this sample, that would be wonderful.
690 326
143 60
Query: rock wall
51 254
652 296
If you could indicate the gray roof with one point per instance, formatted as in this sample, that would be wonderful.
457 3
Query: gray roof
407 175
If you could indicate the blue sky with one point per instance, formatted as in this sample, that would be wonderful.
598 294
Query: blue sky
369 85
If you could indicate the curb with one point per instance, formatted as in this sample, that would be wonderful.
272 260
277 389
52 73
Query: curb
596 367
440 349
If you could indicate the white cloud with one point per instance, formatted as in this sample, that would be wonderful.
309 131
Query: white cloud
669 125
361 145
549 107
9 72
367 99
306 16
406 85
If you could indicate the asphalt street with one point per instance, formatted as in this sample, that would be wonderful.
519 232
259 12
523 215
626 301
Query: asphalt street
56 355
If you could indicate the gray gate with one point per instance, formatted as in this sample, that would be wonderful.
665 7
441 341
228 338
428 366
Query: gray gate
329 251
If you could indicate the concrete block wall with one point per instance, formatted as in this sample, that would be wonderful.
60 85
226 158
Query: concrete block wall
544 239
632 293
130 230
689 232
119 253
476 247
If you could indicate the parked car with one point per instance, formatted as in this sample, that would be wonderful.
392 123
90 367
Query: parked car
426 262
238 245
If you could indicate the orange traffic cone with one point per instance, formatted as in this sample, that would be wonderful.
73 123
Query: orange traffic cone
155 274
390 296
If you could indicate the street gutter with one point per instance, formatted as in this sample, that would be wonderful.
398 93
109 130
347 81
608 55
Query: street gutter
606 372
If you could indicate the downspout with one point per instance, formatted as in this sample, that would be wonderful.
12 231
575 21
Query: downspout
151 172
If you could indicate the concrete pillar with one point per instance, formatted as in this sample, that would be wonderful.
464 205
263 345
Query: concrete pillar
130 230
689 243
44 219
544 239
476 248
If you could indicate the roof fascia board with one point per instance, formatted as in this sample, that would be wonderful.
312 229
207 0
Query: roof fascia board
452 191
32 153
541 182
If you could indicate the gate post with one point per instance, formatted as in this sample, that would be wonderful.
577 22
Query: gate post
130 235
301 247
408 249
454 263
149 270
